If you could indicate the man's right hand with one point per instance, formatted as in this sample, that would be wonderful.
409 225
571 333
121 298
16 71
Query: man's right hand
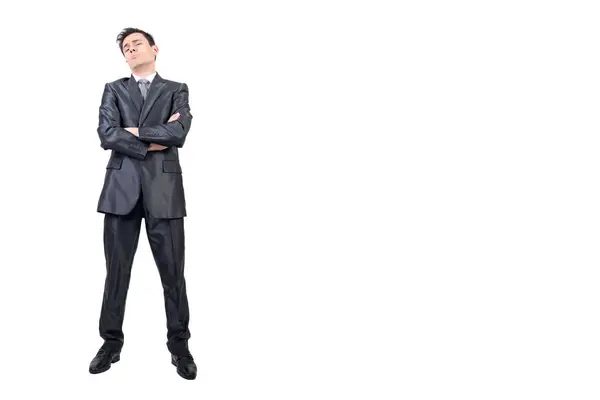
156 147
173 117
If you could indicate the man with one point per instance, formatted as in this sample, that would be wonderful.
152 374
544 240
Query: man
143 119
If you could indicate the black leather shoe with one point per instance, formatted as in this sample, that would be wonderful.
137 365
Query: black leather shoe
186 367
103 360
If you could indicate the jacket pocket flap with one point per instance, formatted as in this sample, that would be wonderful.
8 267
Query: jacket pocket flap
115 163
171 166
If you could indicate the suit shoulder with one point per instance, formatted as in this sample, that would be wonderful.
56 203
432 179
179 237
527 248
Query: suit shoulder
174 84
118 82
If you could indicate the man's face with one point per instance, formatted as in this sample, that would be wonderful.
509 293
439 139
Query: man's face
138 51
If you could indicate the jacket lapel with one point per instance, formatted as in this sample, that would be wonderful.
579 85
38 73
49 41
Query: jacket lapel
135 94
156 88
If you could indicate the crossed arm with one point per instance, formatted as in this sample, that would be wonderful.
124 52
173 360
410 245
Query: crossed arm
136 142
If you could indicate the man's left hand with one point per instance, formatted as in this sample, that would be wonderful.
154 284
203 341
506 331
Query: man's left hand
133 131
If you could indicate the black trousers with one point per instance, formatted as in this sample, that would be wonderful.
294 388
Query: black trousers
166 238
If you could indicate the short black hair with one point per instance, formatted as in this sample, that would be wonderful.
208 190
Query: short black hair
128 31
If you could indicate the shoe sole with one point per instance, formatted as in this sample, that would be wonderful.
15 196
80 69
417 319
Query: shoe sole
99 371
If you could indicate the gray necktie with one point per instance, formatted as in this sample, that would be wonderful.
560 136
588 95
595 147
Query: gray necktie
144 84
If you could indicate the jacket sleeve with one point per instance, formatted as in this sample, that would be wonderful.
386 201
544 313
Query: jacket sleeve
171 133
112 135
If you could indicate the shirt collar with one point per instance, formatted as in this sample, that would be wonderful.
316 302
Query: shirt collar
149 77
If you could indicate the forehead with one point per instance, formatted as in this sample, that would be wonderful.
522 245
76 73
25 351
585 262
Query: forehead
134 37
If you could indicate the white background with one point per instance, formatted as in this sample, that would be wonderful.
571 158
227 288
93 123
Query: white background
386 200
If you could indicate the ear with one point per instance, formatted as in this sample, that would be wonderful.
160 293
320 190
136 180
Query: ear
155 48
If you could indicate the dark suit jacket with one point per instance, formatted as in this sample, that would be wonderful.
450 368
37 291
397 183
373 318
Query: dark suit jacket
131 167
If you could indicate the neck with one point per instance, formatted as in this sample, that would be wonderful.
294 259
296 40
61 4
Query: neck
144 70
